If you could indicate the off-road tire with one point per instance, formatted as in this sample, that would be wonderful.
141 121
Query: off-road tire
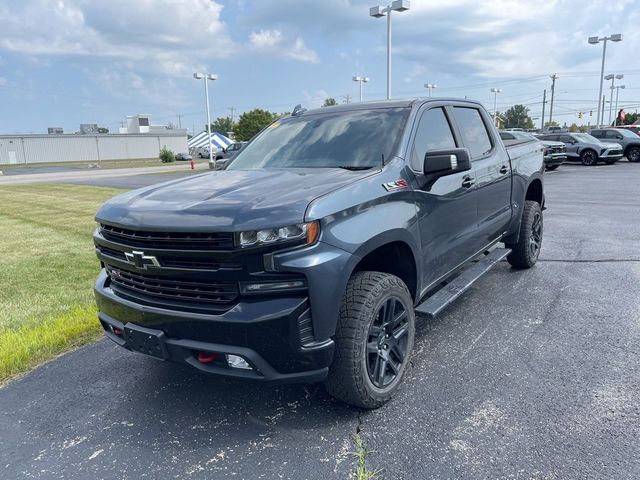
366 294
589 158
633 154
531 228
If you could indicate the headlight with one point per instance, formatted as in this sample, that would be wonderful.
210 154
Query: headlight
301 231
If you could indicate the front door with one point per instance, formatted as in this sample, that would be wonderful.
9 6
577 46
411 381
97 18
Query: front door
447 208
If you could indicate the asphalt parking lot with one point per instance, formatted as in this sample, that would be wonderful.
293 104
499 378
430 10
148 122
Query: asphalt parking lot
530 375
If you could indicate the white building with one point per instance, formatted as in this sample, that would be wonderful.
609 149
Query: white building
44 148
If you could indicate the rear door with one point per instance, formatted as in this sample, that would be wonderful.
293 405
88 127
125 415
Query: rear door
493 173
447 208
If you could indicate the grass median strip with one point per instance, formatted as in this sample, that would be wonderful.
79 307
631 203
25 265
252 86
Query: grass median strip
47 270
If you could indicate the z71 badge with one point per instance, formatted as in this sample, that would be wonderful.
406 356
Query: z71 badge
397 185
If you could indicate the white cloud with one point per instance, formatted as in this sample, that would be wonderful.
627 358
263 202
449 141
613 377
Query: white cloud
274 43
165 35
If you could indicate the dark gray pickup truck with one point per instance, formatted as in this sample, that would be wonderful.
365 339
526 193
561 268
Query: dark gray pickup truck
310 256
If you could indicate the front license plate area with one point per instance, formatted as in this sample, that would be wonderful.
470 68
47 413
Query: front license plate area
145 340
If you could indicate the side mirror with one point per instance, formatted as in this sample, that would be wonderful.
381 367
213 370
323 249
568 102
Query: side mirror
439 163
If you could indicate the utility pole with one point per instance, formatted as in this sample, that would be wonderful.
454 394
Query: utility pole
347 98
544 104
233 111
180 121
554 77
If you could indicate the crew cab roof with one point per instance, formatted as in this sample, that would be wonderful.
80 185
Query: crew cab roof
393 103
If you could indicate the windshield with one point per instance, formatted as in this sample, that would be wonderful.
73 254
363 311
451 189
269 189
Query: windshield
352 139
585 137
627 133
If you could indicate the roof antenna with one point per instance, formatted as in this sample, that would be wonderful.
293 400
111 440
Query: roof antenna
298 110
383 160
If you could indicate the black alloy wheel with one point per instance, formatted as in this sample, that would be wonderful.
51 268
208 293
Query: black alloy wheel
535 239
387 343
589 158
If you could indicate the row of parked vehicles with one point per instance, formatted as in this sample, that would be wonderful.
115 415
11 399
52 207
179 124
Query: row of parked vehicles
607 145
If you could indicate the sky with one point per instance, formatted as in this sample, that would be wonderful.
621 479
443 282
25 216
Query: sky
67 62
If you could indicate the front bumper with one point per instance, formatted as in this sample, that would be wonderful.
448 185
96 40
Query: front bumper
610 155
263 331
554 159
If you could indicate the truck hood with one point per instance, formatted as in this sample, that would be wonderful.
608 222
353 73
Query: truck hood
227 200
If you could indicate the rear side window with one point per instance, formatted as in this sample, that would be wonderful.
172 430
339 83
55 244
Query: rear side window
434 133
473 130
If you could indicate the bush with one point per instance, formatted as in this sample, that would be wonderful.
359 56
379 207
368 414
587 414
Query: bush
167 156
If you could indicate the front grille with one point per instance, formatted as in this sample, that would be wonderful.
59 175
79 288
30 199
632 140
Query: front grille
190 290
558 149
615 152
199 263
169 240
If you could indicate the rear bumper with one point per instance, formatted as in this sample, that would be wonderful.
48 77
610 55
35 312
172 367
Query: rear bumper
554 159
264 332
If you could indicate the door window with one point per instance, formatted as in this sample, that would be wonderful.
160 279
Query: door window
474 131
434 133
613 135
597 133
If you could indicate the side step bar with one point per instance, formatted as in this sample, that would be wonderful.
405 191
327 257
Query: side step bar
444 297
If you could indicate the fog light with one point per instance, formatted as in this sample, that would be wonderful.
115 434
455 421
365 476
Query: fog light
272 286
234 361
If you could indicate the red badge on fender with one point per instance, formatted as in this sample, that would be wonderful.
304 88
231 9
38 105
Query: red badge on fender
397 185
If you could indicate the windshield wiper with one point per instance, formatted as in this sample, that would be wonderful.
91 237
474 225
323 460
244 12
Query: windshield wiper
353 167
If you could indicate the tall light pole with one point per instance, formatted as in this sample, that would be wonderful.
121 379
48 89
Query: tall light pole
430 87
378 12
611 77
616 37
360 79
617 87
553 77
495 91
205 77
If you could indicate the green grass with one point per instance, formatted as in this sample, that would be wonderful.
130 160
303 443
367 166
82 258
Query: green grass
105 164
361 472
47 270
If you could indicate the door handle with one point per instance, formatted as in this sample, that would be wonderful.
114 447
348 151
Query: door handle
504 169
467 182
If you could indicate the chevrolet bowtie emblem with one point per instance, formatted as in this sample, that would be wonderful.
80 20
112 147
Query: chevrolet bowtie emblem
140 260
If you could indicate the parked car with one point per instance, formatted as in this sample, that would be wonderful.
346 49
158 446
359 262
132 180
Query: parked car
226 155
308 258
554 129
587 149
630 141
632 128
555 153
184 156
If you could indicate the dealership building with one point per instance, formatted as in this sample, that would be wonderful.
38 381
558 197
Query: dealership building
138 140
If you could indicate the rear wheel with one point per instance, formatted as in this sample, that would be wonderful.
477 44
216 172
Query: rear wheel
589 157
374 339
524 254
633 154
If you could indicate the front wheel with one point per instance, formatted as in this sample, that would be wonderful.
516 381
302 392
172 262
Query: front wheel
589 157
524 254
374 339
633 155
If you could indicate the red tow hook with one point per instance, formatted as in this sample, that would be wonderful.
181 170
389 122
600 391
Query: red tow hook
207 357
